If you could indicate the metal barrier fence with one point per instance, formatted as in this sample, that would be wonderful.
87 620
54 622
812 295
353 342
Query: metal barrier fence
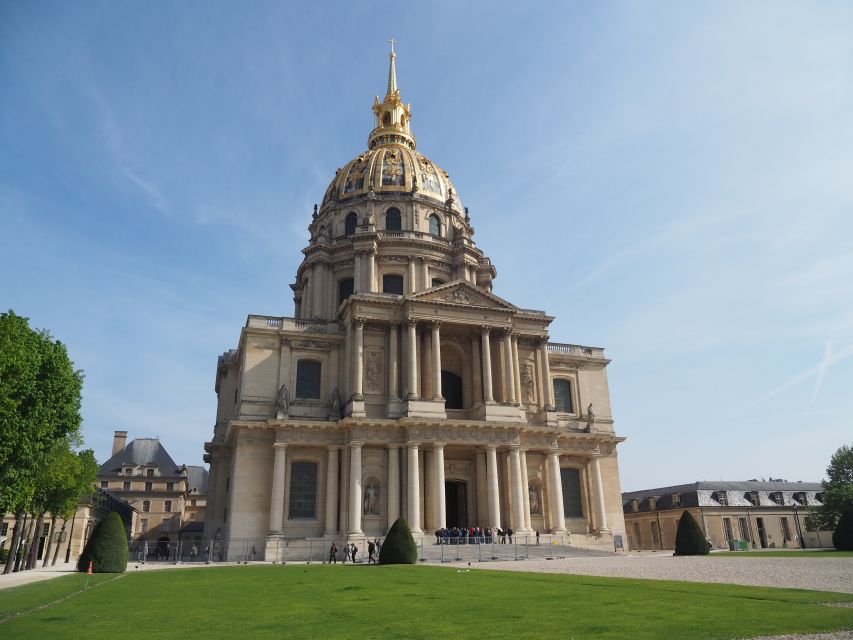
282 551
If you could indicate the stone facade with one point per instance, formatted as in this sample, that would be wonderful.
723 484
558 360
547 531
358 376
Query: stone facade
768 514
404 386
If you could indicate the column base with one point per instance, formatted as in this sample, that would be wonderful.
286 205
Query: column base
355 408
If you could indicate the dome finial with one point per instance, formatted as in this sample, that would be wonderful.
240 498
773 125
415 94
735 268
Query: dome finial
392 71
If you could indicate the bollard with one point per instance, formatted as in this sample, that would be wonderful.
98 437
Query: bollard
89 570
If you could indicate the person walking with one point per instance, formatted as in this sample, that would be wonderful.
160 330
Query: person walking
371 549
333 554
353 552
537 537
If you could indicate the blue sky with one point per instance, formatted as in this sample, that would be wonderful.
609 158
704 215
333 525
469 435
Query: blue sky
671 180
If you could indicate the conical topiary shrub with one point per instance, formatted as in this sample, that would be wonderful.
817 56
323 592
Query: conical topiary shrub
689 539
399 546
107 547
842 537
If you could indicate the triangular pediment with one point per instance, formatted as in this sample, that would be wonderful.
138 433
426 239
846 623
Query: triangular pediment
463 294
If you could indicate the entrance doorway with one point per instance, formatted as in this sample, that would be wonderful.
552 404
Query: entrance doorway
762 534
456 504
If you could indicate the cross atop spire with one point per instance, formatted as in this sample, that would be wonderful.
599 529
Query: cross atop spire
392 71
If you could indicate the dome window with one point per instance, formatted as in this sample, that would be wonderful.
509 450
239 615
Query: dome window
392 284
434 225
392 220
350 223
386 119
345 289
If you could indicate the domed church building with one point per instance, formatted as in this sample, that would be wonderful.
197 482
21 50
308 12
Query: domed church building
403 385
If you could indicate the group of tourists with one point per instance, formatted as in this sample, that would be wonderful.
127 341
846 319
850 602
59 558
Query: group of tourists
351 552
473 535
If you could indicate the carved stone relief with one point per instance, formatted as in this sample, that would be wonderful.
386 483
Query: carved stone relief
373 371
535 500
528 384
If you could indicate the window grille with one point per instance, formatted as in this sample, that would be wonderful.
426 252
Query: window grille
308 379
572 507
563 395
303 490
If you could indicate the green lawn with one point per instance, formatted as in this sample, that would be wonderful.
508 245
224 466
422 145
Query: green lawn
793 553
298 601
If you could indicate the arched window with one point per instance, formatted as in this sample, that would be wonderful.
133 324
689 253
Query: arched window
392 284
386 119
451 389
434 225
308 379
303 490
146 506
350 223
571 480
345 288
563 396
392 219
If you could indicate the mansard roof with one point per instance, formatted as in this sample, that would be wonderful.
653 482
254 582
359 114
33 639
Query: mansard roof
197 478
139 452
706 494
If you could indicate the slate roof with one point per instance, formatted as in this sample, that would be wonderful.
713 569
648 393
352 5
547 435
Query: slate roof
139 452
706 494
197 479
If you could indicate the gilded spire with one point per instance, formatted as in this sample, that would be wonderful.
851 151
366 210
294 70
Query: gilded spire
391 117
392 71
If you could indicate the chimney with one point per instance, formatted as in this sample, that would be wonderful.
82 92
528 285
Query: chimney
119 441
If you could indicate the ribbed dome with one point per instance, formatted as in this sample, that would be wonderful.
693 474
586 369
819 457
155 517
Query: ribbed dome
389 169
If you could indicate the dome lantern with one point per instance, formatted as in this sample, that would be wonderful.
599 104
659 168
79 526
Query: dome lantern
391 117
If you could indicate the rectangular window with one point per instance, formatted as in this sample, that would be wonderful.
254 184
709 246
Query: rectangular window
786 529
149 473
676 500
637 536
727 529
571 480
303 490
5 529
126 486
655 534
167 506
563 396
392 284
744 528
149 486
146 506
308 379
105 484
345 288
128 472
192 503
143 525
45 529
170 486
165 525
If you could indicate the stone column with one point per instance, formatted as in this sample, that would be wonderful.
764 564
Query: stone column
412 326
547 388
371 271
279 471
508 368
556 492
600 515
438 487
488 398
355 489
332 491
392 362
525 487
348 349
358 364
516 369
413 491
436 364
494 500
476 372
393 483
425 272
317 287
517 490
411 288
356 276
425 362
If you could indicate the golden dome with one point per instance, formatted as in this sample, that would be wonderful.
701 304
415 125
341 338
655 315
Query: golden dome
388 169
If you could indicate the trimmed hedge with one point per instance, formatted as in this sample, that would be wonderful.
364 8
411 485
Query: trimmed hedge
399 546
107 547
689 539
842 537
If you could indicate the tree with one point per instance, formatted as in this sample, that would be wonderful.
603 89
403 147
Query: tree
399 546
107 547
837 491
842 537
689 539
39 403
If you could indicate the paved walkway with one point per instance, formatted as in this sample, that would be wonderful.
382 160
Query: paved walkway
820 574
62 569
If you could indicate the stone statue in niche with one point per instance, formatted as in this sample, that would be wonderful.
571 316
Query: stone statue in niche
282 404
335 406
527 384
373 371
371 500
535 500
590 418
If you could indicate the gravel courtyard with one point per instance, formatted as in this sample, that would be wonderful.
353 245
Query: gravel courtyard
821 574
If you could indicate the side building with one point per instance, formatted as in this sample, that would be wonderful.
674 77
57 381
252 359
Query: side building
170 499
765 515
